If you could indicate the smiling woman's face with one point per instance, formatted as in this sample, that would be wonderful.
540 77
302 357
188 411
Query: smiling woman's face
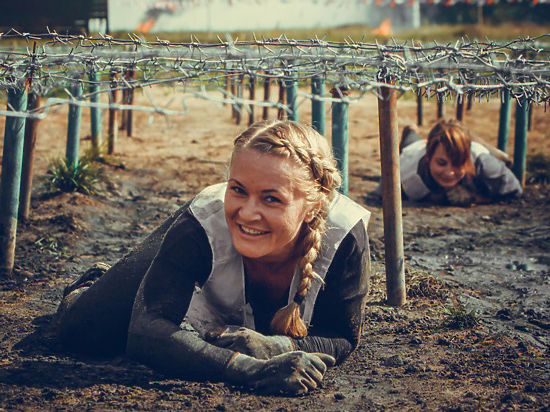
442 169
264 208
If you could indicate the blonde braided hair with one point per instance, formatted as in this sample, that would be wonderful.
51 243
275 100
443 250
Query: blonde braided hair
312 153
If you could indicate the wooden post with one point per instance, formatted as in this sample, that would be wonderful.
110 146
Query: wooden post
130 114
520 139
292 98
504 121
419 113
439 106
33 103
31 126
530 116
95 112
318 106
470 101
123 113
340 146
460 107
233 90
267 92
113 129
282 89
252 91
73 128
14 133
391 197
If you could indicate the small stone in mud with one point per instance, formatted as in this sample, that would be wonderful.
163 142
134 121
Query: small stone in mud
504 314
443 341
415 340
394 360
221 407
339 396
509 266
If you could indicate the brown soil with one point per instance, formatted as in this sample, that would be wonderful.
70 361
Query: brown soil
492 258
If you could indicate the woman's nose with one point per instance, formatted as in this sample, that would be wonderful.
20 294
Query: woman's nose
249 209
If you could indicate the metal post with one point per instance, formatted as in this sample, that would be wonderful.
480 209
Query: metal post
292 98
530 116
504 121
520 138
95 112
419 106
14 133
391 197
281 112
318 106
252 85
73 128
130 114
340 146
28 158
470 101
267 91
113 129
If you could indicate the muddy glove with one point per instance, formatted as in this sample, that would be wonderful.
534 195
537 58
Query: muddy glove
293 373
460 196
249 342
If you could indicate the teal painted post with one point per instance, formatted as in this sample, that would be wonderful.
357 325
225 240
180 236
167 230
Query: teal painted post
292 98
73 128
419 117
520 139
504 121
318 106
340 136
95 112
14 134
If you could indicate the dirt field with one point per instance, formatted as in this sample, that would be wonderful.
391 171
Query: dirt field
494 259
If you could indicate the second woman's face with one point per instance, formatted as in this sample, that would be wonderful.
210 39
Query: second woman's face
442 169
264 209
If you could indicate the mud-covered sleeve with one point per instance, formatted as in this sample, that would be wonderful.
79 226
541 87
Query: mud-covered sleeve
338 313
495 179
155 337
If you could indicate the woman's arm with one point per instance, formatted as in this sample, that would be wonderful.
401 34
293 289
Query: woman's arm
338 313
495 179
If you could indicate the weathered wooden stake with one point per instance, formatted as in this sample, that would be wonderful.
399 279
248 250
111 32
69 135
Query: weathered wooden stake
31 126
95 112
14 134
233 90
439 106
267 92
520 139
113 129
504 121
282 89
318 106
460 107
292 99
239 106
130 114
123 113
340 146
419 113
73 128
252 91
470 101
391 197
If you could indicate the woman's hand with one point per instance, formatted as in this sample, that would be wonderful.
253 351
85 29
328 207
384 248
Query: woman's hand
460 196
249 342
293 373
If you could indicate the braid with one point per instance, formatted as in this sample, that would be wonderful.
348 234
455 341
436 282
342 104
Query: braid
311 151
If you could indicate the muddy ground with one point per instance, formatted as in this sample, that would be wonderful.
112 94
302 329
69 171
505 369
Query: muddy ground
494 259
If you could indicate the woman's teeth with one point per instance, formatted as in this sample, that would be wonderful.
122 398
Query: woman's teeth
251 231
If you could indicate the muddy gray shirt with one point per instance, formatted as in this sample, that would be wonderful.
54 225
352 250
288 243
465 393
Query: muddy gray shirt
185 260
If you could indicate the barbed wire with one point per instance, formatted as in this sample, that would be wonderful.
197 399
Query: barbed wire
480 68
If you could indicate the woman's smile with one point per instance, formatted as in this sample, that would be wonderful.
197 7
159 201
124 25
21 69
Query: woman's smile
251 231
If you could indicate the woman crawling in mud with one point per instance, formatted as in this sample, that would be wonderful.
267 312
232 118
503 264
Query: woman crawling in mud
259 281
451 168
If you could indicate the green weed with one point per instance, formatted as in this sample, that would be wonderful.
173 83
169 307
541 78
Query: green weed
84 177
459 317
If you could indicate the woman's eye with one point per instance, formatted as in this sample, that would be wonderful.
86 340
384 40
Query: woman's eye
272 199
238 190
442 163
